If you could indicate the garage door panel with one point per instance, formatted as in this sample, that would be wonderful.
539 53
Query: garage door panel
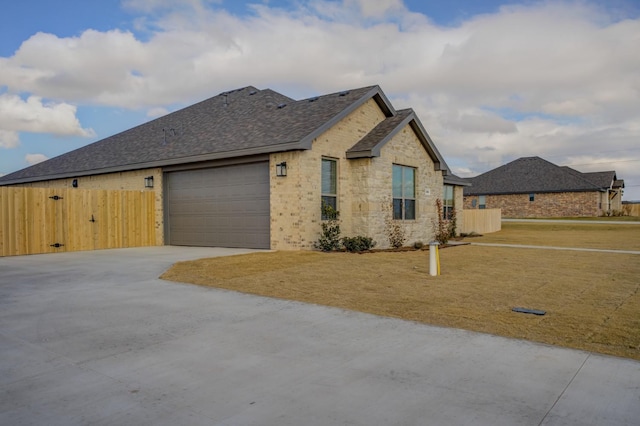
225 206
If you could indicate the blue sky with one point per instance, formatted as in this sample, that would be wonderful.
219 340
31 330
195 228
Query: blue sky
490 80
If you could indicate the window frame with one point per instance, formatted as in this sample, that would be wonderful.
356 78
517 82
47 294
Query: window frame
448 204
482 202
405 202
326 195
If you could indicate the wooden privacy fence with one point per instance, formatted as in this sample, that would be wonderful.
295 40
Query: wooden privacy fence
632 209
50 220
481 221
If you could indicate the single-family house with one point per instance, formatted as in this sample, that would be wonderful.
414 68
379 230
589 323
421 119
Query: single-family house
534 187
251 168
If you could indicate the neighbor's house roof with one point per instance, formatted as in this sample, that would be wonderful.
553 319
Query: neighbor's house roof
534 175
237 123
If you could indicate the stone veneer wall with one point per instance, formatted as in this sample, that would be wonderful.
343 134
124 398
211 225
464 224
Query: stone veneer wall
405 149
364 185
557 204
128 181
296 198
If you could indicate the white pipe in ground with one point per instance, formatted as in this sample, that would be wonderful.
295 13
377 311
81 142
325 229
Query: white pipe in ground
433 258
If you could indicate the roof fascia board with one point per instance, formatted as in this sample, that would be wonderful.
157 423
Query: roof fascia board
230 161
449 180
384 103
375 93
421 133
291 146
438 159
375 151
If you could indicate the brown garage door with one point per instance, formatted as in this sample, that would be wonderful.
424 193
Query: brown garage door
219 207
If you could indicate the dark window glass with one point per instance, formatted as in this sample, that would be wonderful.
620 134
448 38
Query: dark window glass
447 202
397 208
329 185
404 192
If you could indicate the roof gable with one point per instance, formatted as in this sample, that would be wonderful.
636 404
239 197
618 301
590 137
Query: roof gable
530 175
372 143
601 179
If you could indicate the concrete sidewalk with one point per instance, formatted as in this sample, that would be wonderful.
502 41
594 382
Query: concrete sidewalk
556 248
95 338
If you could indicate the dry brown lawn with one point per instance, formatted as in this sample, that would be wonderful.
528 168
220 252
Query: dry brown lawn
592 300
600 236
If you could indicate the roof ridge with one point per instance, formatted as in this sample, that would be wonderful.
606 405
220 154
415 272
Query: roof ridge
531 174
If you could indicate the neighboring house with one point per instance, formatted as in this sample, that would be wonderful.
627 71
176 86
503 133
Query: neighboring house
533 187
251 168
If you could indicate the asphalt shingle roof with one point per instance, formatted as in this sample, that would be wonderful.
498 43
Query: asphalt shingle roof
239 122
601 179
535 175
371 144
383 130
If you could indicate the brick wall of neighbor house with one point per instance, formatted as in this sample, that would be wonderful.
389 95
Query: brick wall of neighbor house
364 185
129 181
560 204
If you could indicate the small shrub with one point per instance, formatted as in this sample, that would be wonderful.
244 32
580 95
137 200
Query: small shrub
358 244
418 245
442 227
394 229
470 234
452 224
330 238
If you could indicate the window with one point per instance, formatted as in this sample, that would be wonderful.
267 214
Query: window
404 192
532 197
447 202
329 184
482 201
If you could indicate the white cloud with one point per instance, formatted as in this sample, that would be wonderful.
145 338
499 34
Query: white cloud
35 158
157 112
17 115
9 139
477 122
154 5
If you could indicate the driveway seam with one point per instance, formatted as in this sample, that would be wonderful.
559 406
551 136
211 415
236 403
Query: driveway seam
565 389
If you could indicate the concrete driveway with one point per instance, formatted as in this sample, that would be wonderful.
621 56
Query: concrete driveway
95 338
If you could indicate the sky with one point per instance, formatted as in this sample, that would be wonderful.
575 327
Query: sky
491 81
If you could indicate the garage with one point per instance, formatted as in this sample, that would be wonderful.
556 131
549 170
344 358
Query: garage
219 207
